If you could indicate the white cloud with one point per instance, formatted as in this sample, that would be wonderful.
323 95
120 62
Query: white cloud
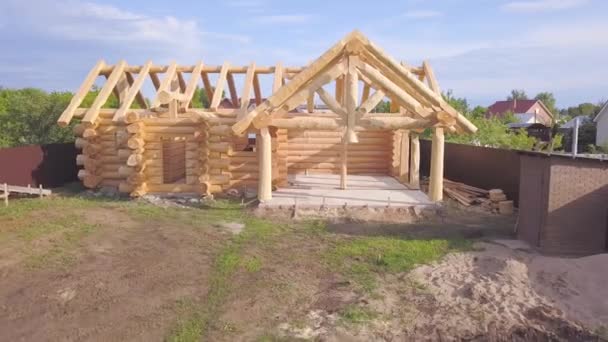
282 19
422 14
542 5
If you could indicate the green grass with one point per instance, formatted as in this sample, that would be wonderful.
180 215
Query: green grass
353 314
361 259
229 261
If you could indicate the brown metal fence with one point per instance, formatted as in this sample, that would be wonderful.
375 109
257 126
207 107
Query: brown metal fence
49 165
486 168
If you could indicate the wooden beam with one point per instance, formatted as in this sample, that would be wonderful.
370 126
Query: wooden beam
207 86
82 92
133 91
234 97
247 86
219 87
340 89
310 102
344 165
257 91
121 89
393 90
436 173
182 81
166 83
404 156
331 102
105 92
351 97
430 77
140 98
265 164
414 161
155 80
365 94
278 77
371 103
308 123
191 87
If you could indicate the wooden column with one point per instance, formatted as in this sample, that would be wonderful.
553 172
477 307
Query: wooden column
414 161
404 162
265 159
343 167
436 176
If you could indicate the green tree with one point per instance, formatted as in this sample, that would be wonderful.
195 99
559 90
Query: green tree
29 116
548 100
460 104
517 94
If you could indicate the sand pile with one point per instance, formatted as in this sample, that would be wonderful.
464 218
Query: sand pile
499 289
495 293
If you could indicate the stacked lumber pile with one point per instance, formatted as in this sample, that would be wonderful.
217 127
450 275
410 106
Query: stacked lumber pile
493 200
464 194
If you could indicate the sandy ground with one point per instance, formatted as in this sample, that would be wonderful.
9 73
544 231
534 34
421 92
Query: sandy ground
493 293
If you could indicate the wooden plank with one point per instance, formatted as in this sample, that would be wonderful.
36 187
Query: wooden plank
28 190
105 92
365 93
219 87
133 92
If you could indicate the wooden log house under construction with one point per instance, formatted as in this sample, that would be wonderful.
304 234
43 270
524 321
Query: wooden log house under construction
168 146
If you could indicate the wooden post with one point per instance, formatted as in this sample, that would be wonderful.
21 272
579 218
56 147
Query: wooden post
40 190
5 195
436 176
414 161
265 160
404 162
343 167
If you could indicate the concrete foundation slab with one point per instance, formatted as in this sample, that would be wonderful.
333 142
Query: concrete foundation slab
323 190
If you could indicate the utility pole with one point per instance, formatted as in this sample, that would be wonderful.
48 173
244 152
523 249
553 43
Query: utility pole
575 137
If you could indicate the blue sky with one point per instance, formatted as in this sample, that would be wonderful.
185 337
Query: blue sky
481 49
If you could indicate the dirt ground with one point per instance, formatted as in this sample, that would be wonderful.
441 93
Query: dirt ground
85 269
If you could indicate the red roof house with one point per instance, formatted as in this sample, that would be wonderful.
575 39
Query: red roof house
527 112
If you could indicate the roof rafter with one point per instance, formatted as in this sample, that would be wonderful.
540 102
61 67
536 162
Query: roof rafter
133 92
82 92
219 87
191 87
166 83
106 90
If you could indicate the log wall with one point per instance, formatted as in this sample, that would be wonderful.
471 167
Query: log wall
320 151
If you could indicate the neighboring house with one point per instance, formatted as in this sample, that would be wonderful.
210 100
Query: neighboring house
531 115
527 112
601 122
582 119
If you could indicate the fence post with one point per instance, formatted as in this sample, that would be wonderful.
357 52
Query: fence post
5 194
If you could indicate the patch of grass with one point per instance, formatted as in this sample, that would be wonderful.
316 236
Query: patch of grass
227 263
362 258
65 234
253 264
354 314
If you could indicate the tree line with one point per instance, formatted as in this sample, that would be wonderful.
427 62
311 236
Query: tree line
29 115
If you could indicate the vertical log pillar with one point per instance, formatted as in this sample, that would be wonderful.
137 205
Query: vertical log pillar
436 176
343 167
404 156
414 161
265 159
